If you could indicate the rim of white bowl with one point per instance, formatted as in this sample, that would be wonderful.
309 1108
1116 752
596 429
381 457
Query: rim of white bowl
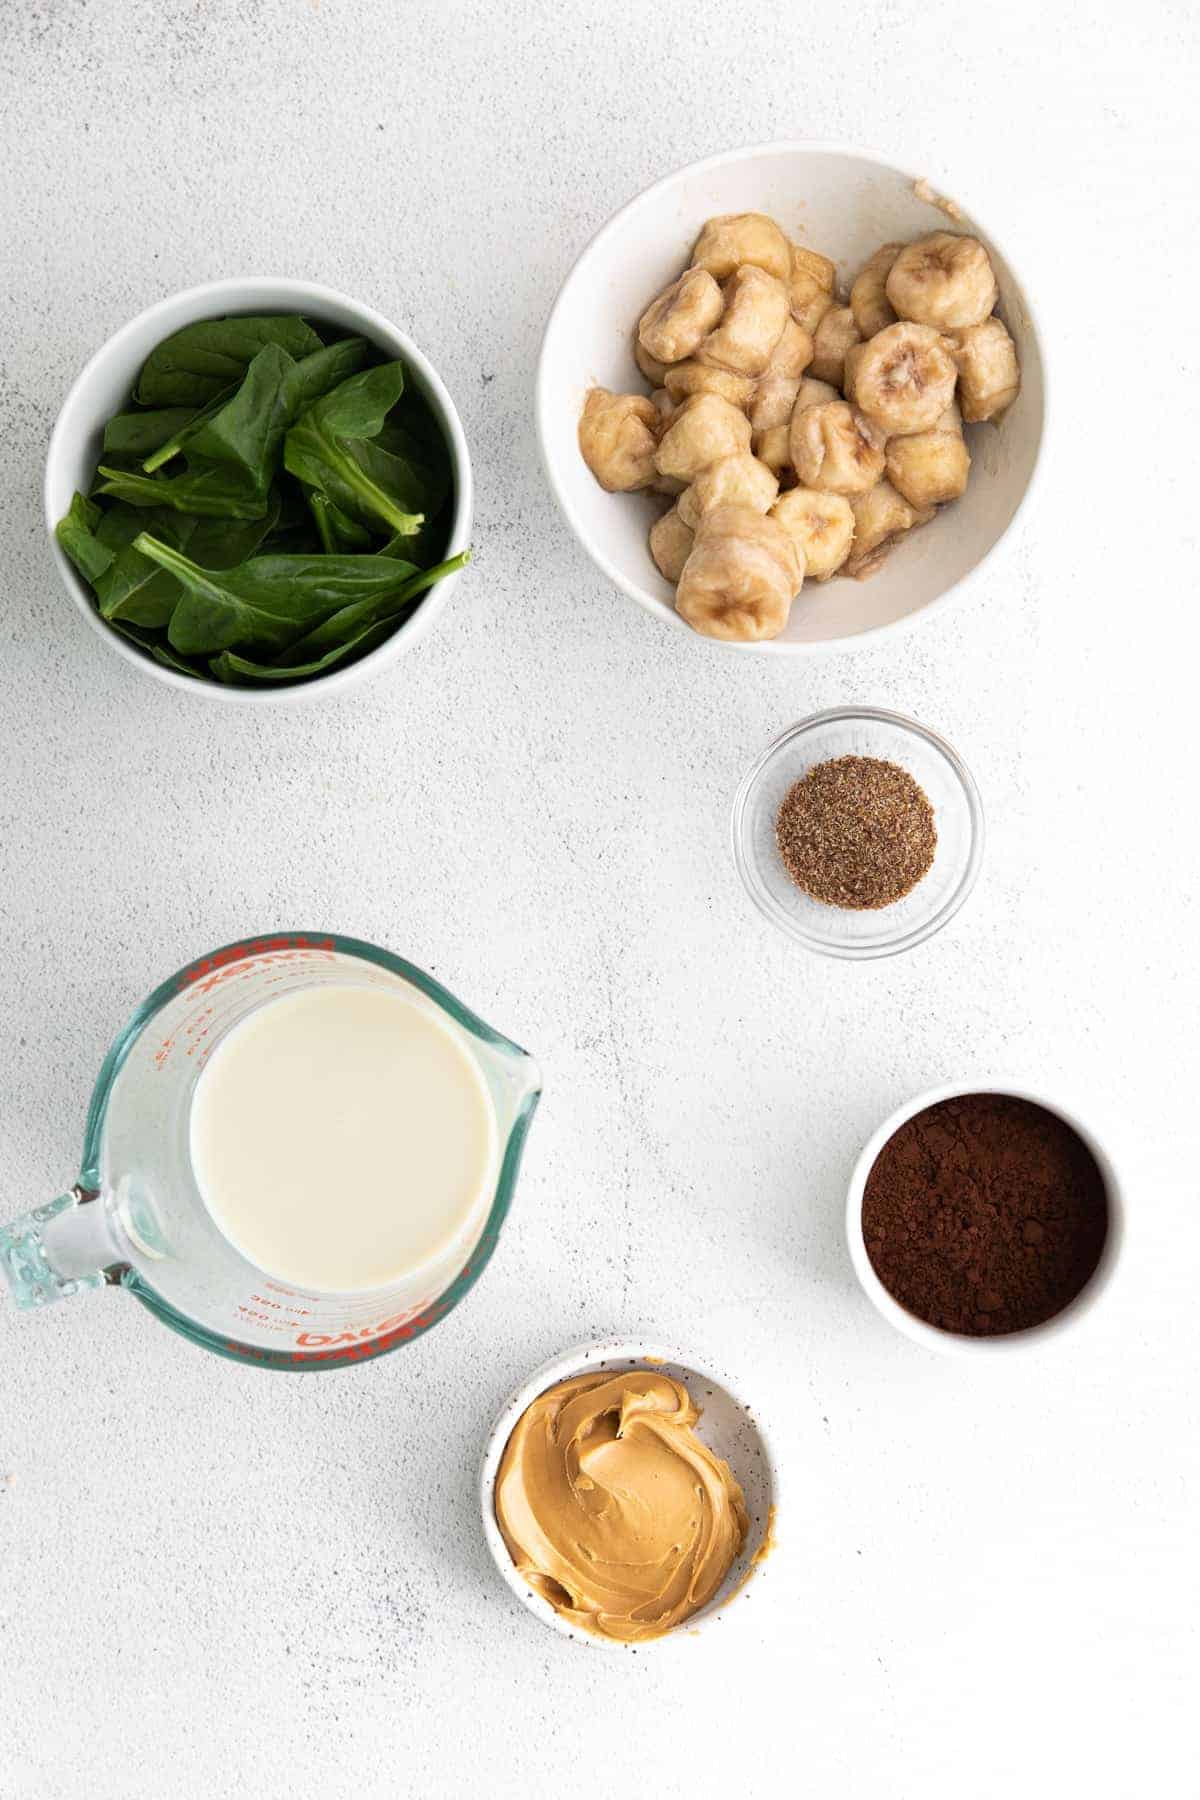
950 1343
237 293
544 400
592 1353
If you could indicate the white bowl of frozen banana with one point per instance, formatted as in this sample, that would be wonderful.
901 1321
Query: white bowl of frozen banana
845 203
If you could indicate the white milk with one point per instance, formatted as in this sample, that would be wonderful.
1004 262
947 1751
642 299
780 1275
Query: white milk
342 1137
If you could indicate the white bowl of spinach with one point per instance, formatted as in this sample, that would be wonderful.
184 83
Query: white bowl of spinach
259 490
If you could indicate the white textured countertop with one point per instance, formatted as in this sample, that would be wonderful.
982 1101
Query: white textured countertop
219 1582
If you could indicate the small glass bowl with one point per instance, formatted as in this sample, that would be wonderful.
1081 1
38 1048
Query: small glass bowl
841 931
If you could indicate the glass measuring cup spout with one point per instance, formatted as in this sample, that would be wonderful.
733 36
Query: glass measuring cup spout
136 1218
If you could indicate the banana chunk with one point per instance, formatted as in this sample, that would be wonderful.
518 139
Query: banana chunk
684 379
835 449
734 481
793 353
774 401
741 577
880 516
756 311
705 429
820 525
850 364
654 371
930 467
943 280
675 324
869 304
812 392
618 436
903 378
732 239
810 287
773 448
989 378
670 544
664 406
835 334
818 268
951 419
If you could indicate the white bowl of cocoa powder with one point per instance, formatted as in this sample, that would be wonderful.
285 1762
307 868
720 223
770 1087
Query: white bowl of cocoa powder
984 1217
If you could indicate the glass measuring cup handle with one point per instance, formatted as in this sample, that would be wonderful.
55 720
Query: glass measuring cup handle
62 1248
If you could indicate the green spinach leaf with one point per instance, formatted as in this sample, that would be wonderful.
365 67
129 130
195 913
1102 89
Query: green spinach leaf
335 529
414 416
267 602
405 482
424 547
182 435
139 434
216 490
430 462
348 532
134 590
325 369
293 533
152 645
230 667
140 591
195 364
245 424
163 653
120 524
223 543
319 506
76 533
373 609
247 431
320 449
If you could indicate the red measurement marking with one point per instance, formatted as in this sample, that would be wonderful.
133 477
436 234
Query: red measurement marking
252 961
331 1347
349 1346
252 948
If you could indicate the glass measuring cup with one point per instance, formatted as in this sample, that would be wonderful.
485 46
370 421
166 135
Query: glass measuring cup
136 1217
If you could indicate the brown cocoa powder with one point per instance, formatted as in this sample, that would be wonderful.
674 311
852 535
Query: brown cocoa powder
984 1214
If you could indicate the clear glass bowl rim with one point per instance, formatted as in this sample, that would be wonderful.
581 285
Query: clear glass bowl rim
918 933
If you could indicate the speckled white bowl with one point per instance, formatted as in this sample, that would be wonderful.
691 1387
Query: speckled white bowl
952 1343
727 1425
103 387
845 202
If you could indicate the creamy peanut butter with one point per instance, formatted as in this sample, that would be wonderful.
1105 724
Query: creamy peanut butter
612 1508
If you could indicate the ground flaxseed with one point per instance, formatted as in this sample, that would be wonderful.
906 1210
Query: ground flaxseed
856 832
